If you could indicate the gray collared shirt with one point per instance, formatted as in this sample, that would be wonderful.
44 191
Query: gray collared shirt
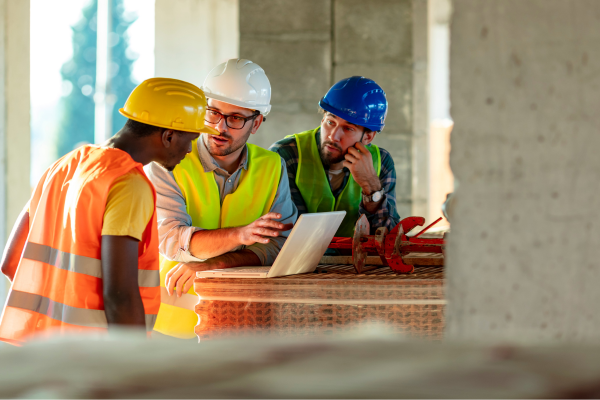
175 225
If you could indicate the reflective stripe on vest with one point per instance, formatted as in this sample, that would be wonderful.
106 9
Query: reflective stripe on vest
252 199
62 312
58 283
81 264
312 182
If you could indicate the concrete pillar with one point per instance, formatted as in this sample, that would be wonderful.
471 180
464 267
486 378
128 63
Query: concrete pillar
194 36
420 151
524 259
291 40
374 39
14 115
306 46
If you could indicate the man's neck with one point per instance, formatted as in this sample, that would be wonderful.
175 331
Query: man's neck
336 167
230 162
131 145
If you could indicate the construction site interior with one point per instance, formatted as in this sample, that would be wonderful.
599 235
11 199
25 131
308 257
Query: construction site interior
488 287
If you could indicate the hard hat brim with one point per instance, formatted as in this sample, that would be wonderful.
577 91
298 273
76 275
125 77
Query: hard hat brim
263 109
348 118
205 129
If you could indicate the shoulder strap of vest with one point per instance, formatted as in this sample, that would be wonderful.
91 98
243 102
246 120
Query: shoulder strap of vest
305 134
255 151
376 155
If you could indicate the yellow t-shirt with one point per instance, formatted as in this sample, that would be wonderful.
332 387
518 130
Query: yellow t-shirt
129 206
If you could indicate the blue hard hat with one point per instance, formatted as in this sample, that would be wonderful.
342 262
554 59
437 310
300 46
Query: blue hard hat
358 100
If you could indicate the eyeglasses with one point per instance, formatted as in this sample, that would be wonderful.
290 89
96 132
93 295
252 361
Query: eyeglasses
232 121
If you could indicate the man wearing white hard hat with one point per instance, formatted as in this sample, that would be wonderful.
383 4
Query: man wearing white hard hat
228 203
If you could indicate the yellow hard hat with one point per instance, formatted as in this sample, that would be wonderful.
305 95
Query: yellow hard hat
168 103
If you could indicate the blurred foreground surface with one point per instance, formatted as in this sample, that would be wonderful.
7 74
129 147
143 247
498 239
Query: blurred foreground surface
370 365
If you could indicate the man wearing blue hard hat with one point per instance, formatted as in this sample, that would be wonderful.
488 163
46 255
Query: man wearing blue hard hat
336 167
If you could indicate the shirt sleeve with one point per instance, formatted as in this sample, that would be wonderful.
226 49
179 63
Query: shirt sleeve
129 206
174 223
387 214
283 204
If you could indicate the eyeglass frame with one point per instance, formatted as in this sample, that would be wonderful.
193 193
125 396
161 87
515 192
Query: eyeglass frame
251 117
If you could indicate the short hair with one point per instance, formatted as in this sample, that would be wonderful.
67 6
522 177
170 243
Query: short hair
141 129
365 129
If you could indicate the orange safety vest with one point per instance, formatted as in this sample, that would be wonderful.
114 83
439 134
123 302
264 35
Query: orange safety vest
58 283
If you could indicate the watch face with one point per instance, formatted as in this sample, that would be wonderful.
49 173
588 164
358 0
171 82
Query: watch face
376 196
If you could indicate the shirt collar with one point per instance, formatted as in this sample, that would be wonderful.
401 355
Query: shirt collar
208 162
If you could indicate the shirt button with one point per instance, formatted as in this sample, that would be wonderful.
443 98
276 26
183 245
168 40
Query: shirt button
229 181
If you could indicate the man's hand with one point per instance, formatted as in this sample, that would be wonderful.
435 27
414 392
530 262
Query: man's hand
181 278
360 164
262 229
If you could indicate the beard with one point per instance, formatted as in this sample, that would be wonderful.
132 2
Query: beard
329 159
233 146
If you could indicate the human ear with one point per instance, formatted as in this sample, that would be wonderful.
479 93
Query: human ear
256 123
167 137
368 137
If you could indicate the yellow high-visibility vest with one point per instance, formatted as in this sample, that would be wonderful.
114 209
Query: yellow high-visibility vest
252 199
314 187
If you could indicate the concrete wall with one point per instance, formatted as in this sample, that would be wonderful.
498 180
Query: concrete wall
306 46
194 36
14 115
420 109
525 90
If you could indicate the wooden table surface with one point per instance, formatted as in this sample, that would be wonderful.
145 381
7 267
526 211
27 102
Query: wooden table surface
334 299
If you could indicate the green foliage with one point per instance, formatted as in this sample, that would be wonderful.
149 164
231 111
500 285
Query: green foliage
78 108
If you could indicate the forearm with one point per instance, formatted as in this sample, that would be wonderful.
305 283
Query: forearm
368 188
121 293
267 253
240 258
373 206
15 245
385 215
210 243
124 309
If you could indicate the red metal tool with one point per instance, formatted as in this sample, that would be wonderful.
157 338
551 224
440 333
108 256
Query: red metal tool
390 247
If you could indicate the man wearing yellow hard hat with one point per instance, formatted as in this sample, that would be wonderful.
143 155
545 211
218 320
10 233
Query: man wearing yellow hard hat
83 256
228 203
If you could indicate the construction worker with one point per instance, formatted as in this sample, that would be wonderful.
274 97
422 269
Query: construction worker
336 167
228 203
83 256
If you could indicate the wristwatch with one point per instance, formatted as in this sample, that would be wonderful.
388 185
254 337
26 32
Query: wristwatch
374 197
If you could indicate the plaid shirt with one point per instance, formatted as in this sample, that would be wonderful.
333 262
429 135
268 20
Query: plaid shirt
386 215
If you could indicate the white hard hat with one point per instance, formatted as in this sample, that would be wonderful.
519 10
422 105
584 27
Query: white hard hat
241 83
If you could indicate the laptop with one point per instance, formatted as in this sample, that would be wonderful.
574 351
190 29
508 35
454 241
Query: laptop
300 253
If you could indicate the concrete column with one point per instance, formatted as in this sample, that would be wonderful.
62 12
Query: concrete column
524 259
420 151
375 39
194 36
306 46
14 115
291 41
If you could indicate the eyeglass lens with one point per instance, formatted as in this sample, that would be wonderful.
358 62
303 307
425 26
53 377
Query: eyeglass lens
232 121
